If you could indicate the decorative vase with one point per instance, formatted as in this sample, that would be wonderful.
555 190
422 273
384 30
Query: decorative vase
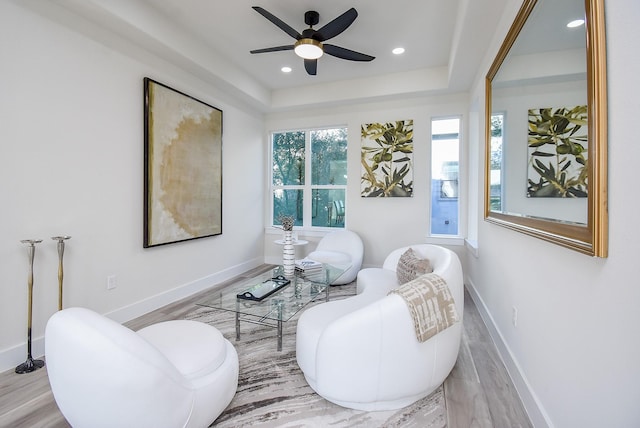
288 254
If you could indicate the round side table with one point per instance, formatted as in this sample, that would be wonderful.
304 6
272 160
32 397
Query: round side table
296 243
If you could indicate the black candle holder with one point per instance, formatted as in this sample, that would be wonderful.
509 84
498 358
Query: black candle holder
31 364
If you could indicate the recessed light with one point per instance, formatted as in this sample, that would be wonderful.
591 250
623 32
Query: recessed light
575 23
398 51
286 69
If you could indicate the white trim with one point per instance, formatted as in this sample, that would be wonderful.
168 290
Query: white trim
445 240
461 186
142 307
301 232
11 357
532 404
472 247
307 186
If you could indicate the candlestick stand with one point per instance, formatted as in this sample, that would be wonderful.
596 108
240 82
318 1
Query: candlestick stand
60 240
31 364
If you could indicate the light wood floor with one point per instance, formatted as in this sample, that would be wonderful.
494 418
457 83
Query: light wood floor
478 393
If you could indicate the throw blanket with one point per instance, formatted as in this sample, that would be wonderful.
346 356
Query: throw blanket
430 303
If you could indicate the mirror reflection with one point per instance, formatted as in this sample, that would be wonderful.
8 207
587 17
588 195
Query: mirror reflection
546 126
538 135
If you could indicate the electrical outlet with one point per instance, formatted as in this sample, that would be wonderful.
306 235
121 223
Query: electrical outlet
112 282
514 316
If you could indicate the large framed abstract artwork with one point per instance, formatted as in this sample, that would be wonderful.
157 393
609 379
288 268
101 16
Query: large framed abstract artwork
182 166
386 158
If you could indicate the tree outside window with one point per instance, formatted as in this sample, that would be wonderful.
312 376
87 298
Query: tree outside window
497 135
317 198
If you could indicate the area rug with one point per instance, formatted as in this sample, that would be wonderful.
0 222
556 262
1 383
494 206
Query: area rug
272 391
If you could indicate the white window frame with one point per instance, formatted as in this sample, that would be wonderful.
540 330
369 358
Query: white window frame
457 239
502 180
306 187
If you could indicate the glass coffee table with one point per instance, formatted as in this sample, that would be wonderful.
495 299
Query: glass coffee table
278 307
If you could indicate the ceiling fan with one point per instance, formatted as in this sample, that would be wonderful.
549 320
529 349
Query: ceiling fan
310 44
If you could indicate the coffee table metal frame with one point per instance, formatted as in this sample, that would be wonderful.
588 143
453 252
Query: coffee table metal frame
279 307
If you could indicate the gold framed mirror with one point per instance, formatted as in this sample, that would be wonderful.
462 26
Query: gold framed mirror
546 126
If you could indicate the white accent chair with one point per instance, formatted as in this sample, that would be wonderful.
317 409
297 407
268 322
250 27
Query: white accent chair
171 374
340 247
362 352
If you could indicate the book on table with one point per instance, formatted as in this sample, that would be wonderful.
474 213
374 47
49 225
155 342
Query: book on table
308 266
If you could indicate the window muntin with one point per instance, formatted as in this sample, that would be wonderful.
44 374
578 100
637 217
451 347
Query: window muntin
310 188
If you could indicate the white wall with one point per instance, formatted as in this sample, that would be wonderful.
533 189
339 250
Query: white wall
72 163
383 223
575 350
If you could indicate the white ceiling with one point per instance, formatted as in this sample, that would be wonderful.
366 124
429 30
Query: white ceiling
235 29
445 40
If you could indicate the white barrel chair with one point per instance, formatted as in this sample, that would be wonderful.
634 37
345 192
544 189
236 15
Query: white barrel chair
171 374
340 248
362 352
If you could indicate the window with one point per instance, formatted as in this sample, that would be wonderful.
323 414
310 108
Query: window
445 148
497 132
309 170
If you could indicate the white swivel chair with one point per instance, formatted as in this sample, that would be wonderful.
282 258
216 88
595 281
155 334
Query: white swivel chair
340 247
171 374
362 352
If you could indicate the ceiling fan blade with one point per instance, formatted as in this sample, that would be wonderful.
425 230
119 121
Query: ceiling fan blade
278 22
273 49
311 65
336 26
344 53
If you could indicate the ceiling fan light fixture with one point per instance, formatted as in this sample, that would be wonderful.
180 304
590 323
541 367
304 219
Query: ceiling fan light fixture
308 48
308 43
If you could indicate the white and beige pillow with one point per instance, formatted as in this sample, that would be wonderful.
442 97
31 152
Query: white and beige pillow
410 266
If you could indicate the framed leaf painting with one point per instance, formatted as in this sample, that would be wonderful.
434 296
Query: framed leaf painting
387 159
557 152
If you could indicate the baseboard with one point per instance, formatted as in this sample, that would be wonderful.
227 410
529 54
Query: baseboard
532 405
11 357
152 303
